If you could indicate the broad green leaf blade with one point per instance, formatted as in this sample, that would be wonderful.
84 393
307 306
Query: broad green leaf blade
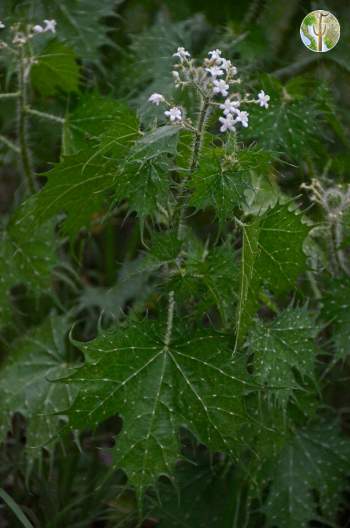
314 460
272 256
56 70
78 184
157 386
27 257
283 348
25 381
95 115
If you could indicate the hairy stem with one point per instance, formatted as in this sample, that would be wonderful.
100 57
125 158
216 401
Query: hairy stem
23 125
182 201
44 115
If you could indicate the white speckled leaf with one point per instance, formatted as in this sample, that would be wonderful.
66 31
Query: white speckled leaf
336 310
25 381
27 256
272 256
157 388
281 349
315 459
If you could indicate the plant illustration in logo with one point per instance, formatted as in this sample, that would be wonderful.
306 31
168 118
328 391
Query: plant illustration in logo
320 31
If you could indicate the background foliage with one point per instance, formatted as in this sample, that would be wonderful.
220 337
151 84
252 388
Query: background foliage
160 377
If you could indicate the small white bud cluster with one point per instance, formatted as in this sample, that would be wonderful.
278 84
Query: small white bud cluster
214 77
49 26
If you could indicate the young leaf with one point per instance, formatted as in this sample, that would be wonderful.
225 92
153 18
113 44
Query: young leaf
272 256
314 460
221 182
283 348
56 70
144 179
158 381
27 257
25 381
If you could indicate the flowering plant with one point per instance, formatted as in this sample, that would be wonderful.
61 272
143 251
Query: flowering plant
174 276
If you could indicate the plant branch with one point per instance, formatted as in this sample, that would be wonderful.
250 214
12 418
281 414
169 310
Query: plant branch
23 125
44 115
12 95
9 144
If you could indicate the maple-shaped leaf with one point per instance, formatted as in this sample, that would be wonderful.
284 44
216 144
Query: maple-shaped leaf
221 182
78 184
56 70
336 310
160 379
27 257
283 348
272 256
308 475
33 362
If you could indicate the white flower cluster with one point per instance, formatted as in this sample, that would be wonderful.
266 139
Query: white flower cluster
21 37
214 77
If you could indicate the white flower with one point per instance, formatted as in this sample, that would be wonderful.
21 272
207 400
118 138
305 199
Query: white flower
215 55
263 99
176 75
50 25
220 87
243 118
228 123
230 107
227 65
174 114
2 25
182 54
38 29
215 71
156 99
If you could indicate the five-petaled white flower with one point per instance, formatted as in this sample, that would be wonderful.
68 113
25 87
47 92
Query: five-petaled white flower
220 87
215 55
38 29
50 25
230 107
263 99
228 123
174 114
243 116
2 25
156 98
215 71
182 54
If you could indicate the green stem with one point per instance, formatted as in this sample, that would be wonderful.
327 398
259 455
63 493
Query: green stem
23 125
9 144
12 95
182 202
44 115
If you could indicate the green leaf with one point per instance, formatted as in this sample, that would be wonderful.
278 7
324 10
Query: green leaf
144 179
336 310
56 70
27 257
224 179
283 348
89 120
34 360
159 380
293 124
78 184
272 256
314 460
